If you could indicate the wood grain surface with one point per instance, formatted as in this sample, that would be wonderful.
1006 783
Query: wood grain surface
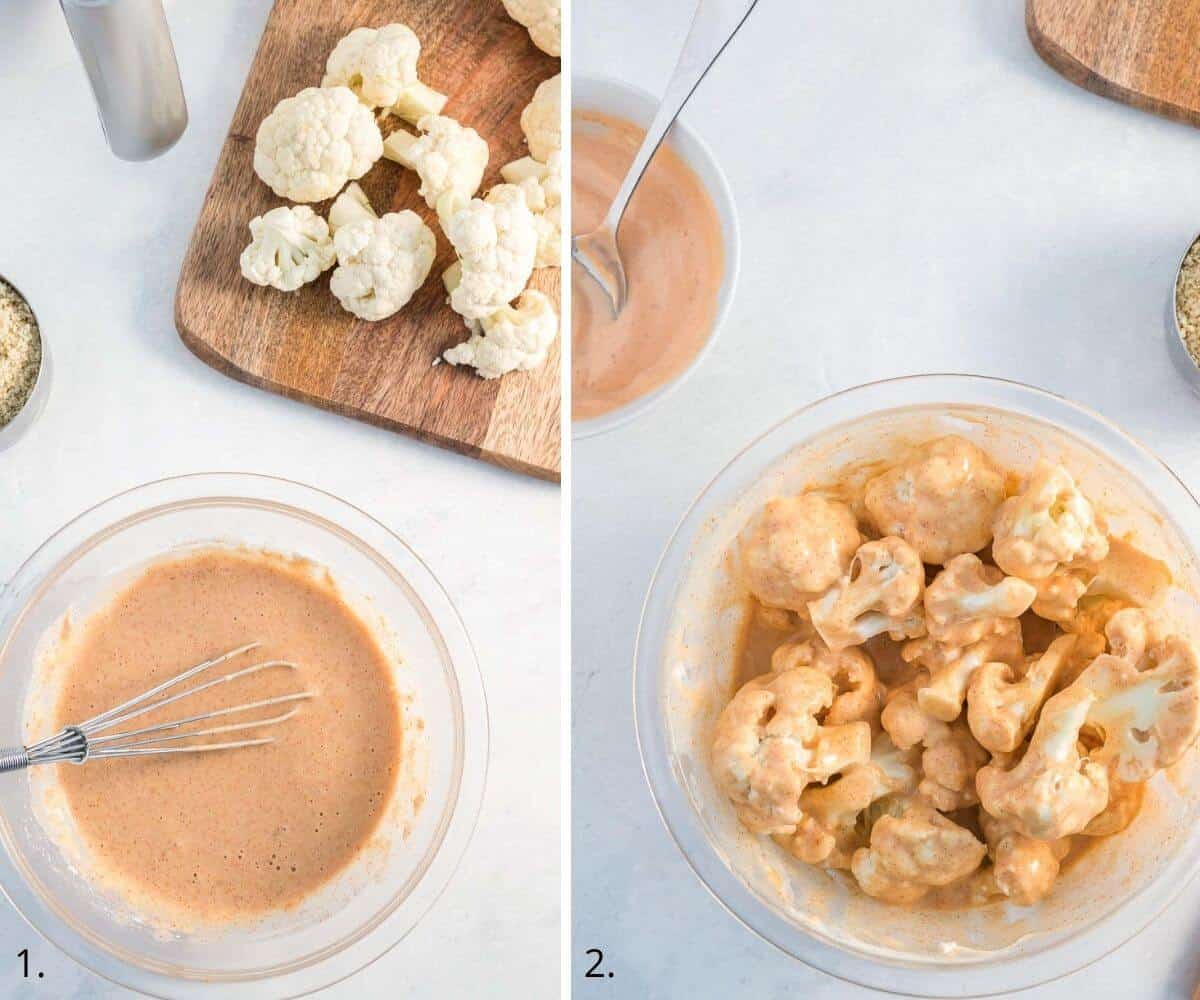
303 344
1143 52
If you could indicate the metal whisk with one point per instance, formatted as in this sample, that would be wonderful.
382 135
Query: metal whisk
77 744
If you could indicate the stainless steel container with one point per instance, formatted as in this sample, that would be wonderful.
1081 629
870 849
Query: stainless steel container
126 49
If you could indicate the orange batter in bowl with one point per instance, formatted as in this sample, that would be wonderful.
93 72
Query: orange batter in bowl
231 835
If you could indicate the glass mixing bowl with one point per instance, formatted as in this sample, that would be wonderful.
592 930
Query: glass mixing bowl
367 909
684 675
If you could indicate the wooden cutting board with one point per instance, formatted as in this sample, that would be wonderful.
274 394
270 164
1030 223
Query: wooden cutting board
1143 52
303 344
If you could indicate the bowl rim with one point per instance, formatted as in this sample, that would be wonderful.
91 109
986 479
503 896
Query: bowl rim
722 196
459 817
675 807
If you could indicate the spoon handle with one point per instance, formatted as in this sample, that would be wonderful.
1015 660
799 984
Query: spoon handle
713 26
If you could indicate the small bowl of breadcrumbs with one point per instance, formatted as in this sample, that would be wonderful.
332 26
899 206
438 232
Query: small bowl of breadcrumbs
22 361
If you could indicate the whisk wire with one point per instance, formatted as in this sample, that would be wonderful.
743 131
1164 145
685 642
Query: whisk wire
79 743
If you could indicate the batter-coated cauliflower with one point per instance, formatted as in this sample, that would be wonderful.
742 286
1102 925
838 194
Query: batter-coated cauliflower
541 120
951 668
828 833
448 157
1024 869
311 144
949 763
913 851
768 747
289 247
968 600
1050 524
380 66
941 500
510 340
496 242
795 548
1146 711
1059 594
902 718
1124 803
381 263
541 183
880 592
858 694
542 19
1002 706
1052 792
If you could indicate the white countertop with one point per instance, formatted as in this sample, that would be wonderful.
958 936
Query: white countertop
917 193
96 245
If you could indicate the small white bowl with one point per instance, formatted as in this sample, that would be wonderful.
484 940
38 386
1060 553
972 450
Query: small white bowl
623 100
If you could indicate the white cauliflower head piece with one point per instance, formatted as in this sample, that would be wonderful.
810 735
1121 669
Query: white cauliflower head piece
380 66
1002 705
941 500
289 247
968 600
768 746
381 263
915 849
795 548
448 157
510 339
541 120
880 592
1052 792
1050 524
828 833
542 19
1146 711
496 242
858 692
313 143
541 183
950 668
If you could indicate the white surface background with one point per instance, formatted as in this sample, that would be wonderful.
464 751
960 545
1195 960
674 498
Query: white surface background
96 245
917 193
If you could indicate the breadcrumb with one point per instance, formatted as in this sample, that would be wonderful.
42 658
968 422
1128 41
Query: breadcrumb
1187 301
20 352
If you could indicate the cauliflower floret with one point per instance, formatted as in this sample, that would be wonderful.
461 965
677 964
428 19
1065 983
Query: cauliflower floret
289 247
949 763
941 501
951 668
1001 709
510 340
768 746
880 592
859 695
1024 869
448 157
350 206
1147 712
1052 792
380 66
311 144
828 832
1124 803
1049 525
381 263
902 718
543 20
1059 594
496 242
541 183
541 120
796 548
967 601
914 851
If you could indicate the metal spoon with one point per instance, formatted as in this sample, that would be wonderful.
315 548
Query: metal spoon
713 26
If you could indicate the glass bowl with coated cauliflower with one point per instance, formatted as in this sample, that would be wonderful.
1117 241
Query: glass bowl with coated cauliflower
918 686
